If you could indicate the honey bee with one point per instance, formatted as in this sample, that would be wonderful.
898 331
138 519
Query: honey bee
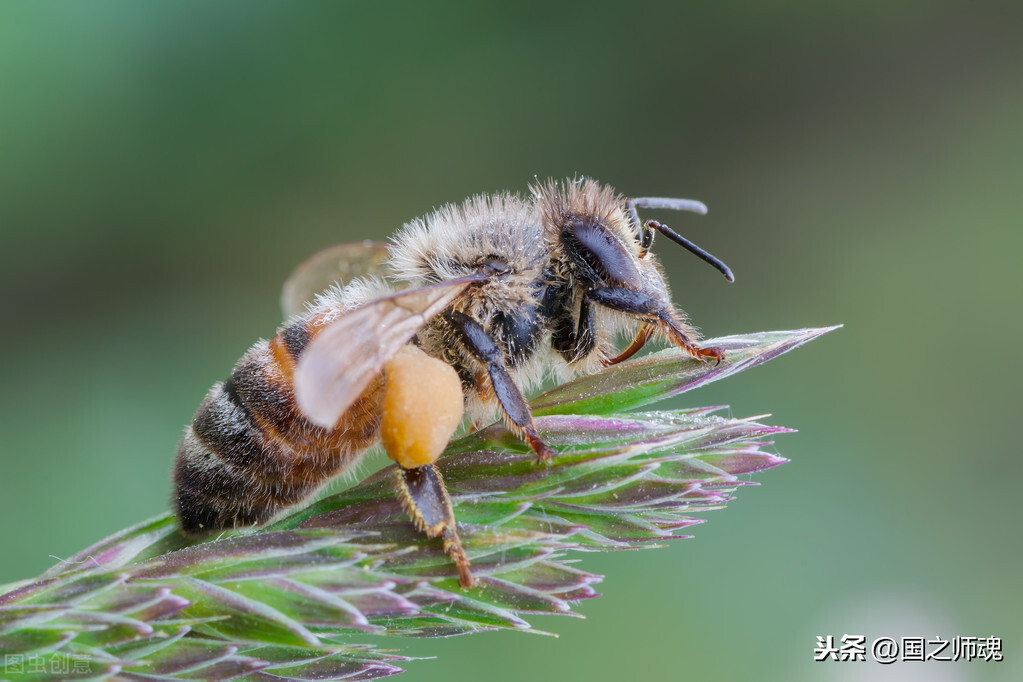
468 306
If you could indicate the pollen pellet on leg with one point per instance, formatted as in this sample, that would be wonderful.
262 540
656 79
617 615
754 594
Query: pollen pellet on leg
423 405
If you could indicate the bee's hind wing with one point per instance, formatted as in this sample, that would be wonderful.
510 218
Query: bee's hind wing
338 264
343 359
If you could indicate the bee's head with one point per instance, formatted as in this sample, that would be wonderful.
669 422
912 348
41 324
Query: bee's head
596 235
588 230
595 238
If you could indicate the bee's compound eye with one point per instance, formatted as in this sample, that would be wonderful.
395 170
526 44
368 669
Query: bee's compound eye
422 407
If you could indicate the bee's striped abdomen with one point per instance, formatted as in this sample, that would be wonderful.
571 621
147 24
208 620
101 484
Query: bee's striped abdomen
249 452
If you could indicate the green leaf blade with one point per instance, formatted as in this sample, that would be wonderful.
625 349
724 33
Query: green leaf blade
289 601
667 373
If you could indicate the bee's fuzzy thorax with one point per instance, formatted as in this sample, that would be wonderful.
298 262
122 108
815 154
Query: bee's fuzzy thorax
456 240
453 240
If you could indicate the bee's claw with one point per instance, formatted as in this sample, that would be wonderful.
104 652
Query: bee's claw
713 353
544 453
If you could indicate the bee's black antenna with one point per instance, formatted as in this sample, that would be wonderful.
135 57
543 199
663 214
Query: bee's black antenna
682 241
677 205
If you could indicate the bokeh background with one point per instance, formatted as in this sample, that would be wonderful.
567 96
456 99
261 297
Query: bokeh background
163 166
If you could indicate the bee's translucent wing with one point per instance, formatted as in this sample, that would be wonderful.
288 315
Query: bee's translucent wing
336 264
342 359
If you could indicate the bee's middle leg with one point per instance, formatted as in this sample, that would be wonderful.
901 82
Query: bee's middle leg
478 343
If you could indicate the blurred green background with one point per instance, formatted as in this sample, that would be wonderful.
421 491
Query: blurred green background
163 166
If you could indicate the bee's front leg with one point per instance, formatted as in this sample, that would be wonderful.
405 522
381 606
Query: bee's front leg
637 344
655 311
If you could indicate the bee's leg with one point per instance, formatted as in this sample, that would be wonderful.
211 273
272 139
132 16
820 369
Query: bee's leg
646 306
641 338
475 340
573 338
425 498
577 339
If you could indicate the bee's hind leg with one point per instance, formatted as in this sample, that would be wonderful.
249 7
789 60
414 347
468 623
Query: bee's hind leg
477 342
425 498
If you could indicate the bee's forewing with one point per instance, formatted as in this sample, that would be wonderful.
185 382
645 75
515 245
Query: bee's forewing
341 360
336 264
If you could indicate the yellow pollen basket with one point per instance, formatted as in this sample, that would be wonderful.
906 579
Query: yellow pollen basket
423 405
